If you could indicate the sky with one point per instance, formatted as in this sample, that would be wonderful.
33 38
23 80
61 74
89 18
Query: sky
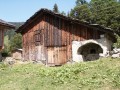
21 10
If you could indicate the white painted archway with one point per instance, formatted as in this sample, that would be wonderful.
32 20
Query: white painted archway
90 51
77 44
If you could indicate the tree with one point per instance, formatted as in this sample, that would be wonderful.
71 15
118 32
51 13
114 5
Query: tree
117 44
16 42
81 2
106 13
81 12
103 12
55 8
6 50
63 13
12 43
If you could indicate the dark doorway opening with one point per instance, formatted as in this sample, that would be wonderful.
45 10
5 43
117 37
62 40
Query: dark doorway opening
90 51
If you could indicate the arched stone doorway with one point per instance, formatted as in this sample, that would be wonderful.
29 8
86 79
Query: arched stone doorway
90 51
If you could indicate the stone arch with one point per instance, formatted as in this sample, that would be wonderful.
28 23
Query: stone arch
90 51
76 45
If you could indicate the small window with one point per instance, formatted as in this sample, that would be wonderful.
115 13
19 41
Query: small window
92 51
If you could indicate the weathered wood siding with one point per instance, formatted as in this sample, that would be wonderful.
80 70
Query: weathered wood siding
50 38
1 36
32 41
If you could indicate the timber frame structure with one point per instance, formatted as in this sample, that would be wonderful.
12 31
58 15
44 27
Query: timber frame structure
55 39
4 26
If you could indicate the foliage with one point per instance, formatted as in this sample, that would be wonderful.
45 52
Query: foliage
106 13
97 75
103 12
11 43
16 42
6 51
81 12
55 8
117 44
81 2
63 13
12 40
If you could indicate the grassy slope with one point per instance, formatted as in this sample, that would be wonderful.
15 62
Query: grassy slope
101 75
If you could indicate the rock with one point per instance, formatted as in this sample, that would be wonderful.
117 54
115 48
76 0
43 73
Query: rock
9 60
116 50
116 55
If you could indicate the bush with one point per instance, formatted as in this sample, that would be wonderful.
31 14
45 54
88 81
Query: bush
117 44
5 54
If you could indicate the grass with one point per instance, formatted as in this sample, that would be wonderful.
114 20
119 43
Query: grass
102 74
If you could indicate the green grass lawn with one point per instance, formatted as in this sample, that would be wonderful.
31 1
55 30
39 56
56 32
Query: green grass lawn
102 74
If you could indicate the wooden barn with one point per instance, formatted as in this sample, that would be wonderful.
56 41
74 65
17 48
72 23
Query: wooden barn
55 39
4 26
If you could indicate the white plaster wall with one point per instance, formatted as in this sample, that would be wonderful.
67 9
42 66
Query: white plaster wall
109 42
103 42
75 47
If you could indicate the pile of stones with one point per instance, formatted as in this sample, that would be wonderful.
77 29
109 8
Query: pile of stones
115 53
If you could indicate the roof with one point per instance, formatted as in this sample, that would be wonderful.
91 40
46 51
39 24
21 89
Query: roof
72 20
4 23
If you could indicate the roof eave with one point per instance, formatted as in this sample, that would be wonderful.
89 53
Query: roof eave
73 20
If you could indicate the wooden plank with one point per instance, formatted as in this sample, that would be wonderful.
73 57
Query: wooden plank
56 33
1 37
50 30
63 34
52 27
51 56
60 28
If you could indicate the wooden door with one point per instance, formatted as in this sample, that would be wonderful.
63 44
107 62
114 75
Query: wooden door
50 59
56 55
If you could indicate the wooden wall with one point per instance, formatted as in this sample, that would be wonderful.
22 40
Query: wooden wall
2 28
50 38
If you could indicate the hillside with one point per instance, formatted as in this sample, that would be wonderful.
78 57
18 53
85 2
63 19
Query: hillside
10 33
17 24
102 74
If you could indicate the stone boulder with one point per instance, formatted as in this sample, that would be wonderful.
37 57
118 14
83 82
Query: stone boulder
115 53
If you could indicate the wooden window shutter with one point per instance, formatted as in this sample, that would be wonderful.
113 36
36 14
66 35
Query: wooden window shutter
38 37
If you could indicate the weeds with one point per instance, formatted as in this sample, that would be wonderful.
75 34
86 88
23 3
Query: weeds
100 74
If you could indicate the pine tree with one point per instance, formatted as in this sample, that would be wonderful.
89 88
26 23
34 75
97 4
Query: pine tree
63 13
81 11
55 8
106 13
81 2
102 12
